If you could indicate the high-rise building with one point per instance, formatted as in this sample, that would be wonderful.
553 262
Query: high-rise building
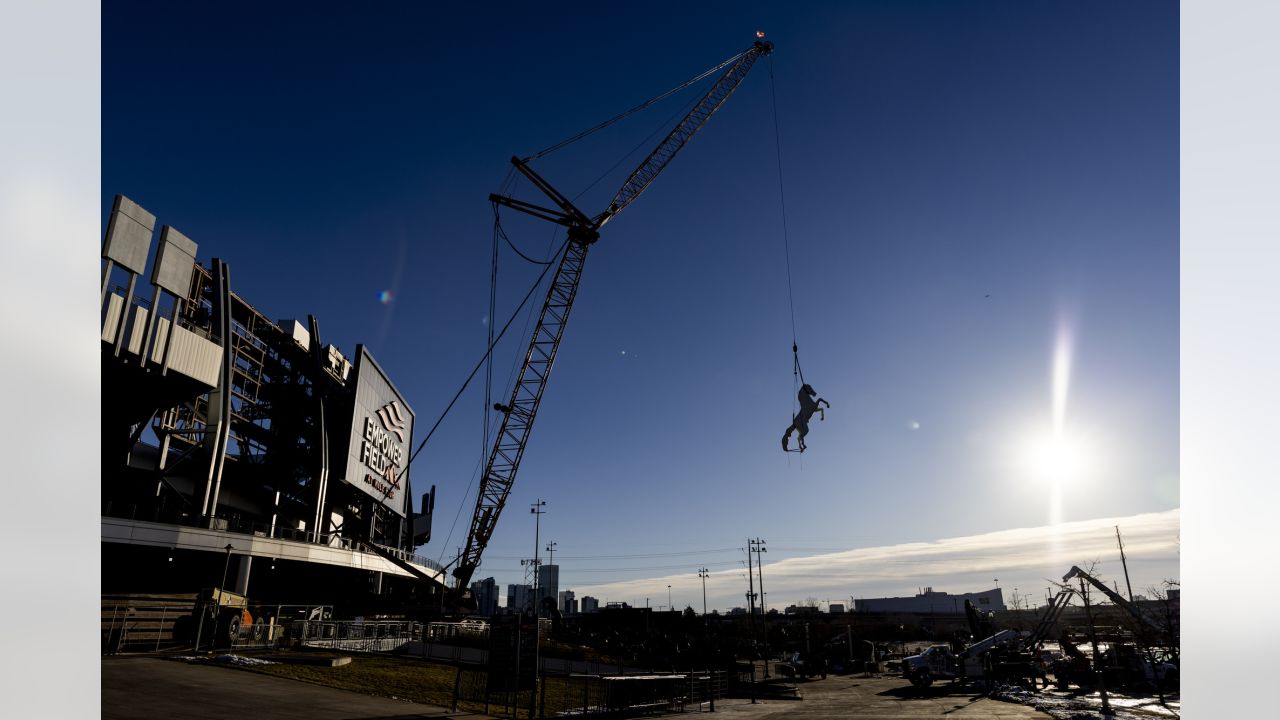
589 604
566 603
519 597
548 582
486 594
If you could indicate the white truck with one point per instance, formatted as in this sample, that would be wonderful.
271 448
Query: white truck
940 663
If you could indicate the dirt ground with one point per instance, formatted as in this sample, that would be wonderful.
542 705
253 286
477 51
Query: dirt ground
884 697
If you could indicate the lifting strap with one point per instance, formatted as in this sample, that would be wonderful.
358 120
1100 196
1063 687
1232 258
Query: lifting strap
797 371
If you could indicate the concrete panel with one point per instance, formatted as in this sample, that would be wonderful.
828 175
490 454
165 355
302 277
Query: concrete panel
139 327
297 331
175 262
190 354
129 233
111 323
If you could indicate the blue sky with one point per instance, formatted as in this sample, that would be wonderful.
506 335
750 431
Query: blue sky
969 188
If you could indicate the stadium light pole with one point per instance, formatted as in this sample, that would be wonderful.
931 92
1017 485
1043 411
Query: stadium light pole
702 573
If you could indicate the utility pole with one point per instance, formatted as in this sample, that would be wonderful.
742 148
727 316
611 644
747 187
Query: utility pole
1100 677
538 512
751 615
551 553
764 618
1124 564
702 573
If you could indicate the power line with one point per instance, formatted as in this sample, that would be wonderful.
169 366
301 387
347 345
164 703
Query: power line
683 553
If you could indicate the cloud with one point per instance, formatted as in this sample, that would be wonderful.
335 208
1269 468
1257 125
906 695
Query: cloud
1023 558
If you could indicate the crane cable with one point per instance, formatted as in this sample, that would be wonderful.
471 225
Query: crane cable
701 76
486 360
796 371
480 364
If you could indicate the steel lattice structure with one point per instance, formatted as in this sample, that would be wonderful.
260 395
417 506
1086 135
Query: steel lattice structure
519 414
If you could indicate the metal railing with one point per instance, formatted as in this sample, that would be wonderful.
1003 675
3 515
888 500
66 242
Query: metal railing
356 635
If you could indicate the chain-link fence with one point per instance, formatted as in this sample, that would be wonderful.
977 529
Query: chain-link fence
355 635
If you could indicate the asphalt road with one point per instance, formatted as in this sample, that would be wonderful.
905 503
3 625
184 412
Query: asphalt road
148 688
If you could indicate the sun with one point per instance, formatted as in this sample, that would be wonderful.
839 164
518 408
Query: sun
1055 457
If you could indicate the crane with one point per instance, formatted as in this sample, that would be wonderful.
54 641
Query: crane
583 231
1115 597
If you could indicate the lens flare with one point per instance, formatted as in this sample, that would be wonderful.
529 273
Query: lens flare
384 297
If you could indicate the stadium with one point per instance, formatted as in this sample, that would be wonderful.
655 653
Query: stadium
242 453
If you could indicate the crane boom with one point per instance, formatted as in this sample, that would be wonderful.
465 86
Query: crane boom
519 414
644 175
1114 596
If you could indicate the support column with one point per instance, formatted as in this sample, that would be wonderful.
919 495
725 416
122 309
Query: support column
244 565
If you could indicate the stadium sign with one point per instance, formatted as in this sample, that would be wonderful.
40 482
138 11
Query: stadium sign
381 430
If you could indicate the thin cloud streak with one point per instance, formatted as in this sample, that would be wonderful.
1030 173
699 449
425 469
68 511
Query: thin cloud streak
1024 558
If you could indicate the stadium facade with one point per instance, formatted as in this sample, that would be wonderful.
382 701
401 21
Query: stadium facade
242 452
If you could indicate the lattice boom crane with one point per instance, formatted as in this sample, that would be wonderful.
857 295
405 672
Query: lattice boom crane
519 414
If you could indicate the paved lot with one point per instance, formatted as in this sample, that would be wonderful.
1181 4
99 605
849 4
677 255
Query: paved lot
878 698
145 688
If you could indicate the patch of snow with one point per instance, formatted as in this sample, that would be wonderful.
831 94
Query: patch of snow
241 660
1066 706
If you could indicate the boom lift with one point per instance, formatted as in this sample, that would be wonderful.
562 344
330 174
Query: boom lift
1133 610
1052 612
518 415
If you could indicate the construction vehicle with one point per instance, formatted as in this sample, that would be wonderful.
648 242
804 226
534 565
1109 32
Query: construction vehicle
218 617
519 413
1013 654
1144 621
941 663
1123 663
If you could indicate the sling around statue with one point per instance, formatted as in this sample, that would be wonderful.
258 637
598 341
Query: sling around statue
800 423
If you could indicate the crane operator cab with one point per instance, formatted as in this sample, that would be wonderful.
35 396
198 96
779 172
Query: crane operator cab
800 423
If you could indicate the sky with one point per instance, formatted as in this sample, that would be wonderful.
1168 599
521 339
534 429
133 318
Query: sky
981 224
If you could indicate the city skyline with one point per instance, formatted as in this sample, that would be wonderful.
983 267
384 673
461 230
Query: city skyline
1020 561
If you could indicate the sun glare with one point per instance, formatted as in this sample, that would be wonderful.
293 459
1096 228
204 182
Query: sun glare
1055 457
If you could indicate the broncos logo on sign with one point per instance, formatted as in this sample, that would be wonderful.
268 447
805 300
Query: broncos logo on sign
392 418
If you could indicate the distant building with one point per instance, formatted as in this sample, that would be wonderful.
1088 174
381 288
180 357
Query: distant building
548 582
566 603
519 597
801 610
836 608
933 603
486 594
589 604
737 611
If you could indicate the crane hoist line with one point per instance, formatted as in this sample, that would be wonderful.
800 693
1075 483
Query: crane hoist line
583 231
